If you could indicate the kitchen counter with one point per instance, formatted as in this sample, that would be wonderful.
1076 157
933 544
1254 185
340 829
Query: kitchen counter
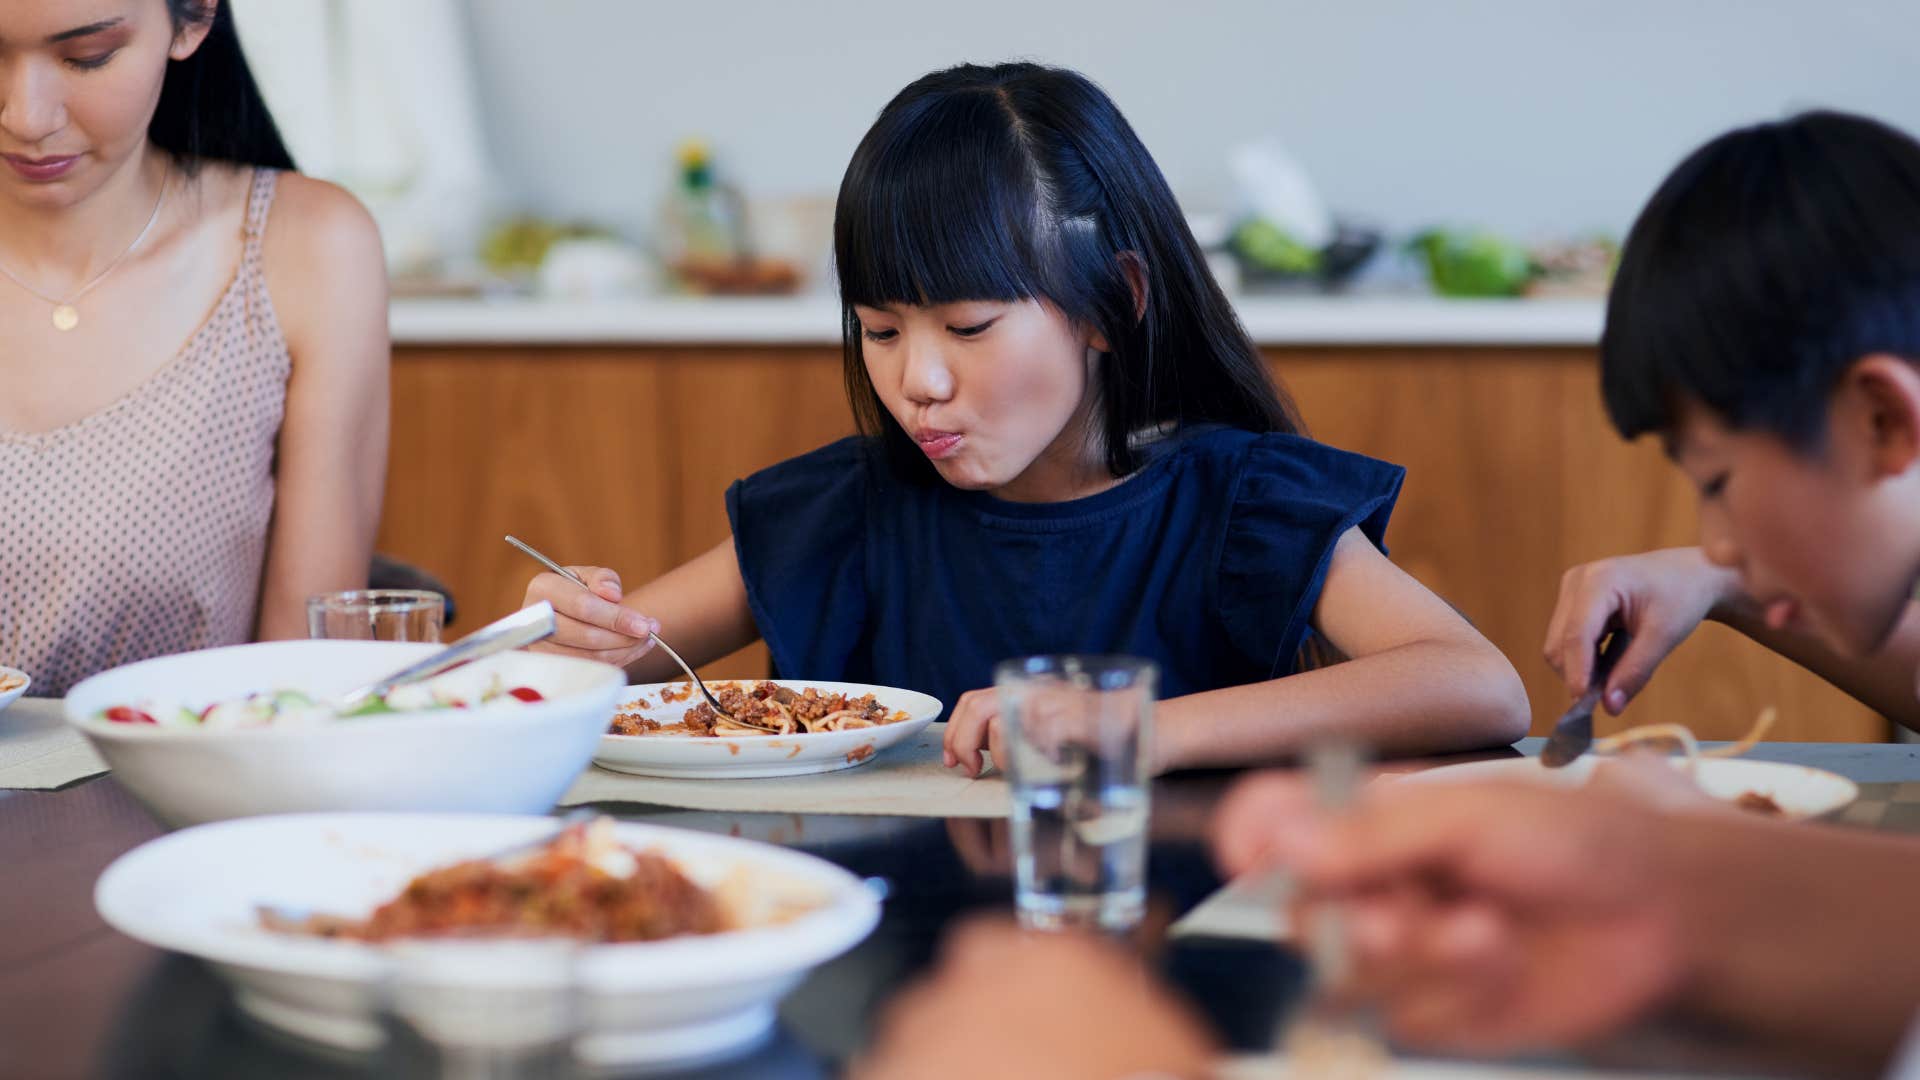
814 319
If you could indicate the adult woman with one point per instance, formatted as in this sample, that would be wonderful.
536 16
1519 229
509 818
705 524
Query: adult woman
160 496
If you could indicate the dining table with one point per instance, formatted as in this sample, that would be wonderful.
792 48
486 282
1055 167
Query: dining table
79 999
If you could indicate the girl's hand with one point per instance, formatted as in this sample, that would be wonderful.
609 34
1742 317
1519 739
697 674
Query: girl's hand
973 726
1658 597
985 845
592 622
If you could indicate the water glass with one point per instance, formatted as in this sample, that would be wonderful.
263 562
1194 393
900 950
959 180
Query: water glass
377 615
1077 732
482 1010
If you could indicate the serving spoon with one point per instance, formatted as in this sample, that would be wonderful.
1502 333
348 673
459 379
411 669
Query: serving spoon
522 628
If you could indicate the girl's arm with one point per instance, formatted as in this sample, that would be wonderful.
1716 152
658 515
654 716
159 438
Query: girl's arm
328 278
1420 681
700 607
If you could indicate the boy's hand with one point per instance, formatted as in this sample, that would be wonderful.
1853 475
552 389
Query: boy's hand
1658 597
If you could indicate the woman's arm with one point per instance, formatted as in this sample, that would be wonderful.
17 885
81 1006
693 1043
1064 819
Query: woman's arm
328 279
1419 680
700 607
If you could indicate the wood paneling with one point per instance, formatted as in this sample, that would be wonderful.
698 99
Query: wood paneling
622 456
1514 475
734 413
563 449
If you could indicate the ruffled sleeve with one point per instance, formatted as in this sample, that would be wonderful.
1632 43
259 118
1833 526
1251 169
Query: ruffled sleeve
799 531
1293 500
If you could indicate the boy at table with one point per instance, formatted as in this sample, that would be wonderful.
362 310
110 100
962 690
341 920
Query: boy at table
1765 323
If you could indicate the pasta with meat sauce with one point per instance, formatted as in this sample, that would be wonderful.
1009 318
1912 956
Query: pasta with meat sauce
583 884
772 709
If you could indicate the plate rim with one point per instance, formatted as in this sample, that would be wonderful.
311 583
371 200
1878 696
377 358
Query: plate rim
1847 785
848 918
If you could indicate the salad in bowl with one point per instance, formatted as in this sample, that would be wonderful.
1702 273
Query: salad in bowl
249 729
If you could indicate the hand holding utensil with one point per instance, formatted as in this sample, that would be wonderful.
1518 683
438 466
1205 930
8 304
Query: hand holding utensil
655 638
1573 735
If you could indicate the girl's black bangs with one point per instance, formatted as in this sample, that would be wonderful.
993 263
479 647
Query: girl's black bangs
938 208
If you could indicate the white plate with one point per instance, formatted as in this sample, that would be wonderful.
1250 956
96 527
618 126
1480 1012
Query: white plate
1800 791
646 1003
8 697
505 757
740 757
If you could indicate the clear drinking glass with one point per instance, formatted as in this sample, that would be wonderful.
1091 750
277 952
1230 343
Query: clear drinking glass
1077 732
377 615
482 1010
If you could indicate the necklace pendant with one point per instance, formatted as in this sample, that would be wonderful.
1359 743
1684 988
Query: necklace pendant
65 317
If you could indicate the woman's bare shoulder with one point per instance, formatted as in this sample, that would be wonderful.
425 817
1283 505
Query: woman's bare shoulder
323 259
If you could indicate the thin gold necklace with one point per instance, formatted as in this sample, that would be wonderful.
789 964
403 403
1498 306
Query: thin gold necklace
65 315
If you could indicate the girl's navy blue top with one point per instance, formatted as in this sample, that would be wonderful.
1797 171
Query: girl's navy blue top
1208 560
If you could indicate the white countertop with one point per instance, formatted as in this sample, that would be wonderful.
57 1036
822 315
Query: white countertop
815 320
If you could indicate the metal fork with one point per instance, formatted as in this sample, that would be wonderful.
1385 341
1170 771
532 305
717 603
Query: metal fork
1334 1032
1574 733
704 692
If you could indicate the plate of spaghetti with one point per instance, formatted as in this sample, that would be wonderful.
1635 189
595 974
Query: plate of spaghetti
686 940
1770 788
793 727
13 683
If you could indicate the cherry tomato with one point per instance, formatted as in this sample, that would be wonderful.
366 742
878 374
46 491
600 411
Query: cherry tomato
126 714
526 693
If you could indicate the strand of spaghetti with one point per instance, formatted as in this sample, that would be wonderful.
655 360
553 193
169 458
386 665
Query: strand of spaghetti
846 720
1761 725
1649 732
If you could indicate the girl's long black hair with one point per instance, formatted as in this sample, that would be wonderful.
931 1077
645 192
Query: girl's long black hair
210 107
1018 182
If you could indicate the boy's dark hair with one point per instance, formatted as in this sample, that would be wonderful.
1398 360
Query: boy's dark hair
1018 182
1770 261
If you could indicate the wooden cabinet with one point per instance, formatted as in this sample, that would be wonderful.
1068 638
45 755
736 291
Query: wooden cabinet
621 456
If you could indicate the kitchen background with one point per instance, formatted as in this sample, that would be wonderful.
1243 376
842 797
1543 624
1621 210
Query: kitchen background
1538 121
572 388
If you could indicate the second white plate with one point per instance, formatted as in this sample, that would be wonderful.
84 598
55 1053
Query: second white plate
1799 790
746 756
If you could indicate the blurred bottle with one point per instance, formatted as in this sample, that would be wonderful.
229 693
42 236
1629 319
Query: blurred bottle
700 221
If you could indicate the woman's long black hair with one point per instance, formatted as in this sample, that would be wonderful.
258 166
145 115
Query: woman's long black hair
210 107
1018 182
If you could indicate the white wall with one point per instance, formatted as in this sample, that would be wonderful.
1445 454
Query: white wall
1531 116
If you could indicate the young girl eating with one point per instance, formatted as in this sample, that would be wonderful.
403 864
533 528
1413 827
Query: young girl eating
1069 445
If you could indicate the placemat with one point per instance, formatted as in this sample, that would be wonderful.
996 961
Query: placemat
906 780
39 751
